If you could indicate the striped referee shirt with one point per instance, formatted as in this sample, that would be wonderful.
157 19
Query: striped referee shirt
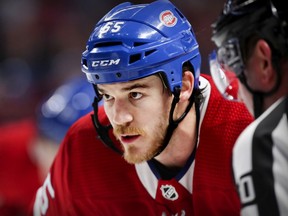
260 163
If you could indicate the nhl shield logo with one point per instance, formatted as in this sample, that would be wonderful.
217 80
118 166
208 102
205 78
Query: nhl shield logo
169 192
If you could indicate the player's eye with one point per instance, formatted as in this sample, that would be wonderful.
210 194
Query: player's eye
107 97
136 95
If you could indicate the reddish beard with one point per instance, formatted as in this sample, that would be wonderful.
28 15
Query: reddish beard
134 154
120 130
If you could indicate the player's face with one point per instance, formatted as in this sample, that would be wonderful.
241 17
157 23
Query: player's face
138 111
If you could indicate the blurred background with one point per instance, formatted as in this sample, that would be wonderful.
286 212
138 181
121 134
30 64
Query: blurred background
42 40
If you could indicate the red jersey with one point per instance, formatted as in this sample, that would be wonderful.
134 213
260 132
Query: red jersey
19 177
88 178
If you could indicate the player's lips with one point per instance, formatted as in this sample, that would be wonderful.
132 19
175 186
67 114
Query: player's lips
126 139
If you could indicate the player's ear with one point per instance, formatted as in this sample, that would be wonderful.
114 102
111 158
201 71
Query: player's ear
264 55
187 85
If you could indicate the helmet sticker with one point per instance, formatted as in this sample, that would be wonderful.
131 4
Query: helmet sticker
167 18
112 27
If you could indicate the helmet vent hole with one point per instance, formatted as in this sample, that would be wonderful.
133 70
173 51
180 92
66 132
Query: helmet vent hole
84 62
134 58
147 53
97 77
136 44
118 75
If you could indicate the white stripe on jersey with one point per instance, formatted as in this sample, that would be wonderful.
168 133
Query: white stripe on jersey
280 165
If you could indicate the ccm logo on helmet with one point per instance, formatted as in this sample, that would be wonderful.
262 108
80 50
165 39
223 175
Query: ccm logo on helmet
105 62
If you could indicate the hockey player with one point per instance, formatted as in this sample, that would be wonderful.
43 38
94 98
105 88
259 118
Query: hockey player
56 114
251 36
28 146
164 136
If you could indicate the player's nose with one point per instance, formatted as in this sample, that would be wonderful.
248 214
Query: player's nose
121 113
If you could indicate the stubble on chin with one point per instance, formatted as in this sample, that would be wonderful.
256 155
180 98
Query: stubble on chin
134 154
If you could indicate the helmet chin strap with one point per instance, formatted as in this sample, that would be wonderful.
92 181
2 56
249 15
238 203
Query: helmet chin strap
103 131
173 124
258 96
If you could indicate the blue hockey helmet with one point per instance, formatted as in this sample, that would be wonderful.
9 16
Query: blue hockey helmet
68 103
130 42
